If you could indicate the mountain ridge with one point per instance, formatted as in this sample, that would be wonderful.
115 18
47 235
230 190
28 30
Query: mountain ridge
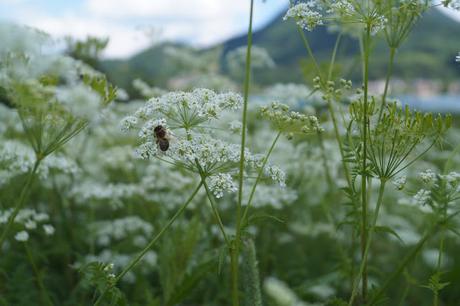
429 53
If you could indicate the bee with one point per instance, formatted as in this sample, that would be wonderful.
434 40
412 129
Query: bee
161 137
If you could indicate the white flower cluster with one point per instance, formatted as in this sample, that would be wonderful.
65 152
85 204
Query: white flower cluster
107 193
221 183
378 23
457 58
427 176
26 221
305 15
342 8
422 197
267 196
289 122
16 159
26 55
400 182
183 109
107 232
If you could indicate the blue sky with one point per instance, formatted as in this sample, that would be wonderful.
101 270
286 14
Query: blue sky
133 25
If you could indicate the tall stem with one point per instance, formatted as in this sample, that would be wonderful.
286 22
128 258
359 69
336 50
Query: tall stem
327 172
439 263
387 80
235 249
41 286
22 198
364 168
368 244
150 244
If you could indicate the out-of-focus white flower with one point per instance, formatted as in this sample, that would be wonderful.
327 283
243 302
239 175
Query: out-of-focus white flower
457 58
260 59
236 126
118 229
146 90
22 236
281 294
422 197
427 176
49 229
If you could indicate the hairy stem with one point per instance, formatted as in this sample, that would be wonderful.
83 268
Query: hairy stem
21 200
150 244
363 265
235 248
364 229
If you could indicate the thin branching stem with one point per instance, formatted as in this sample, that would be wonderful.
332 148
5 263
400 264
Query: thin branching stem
150 244
387 81
259 176
21 200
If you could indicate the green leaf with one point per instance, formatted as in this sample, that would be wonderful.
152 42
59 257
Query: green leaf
386 229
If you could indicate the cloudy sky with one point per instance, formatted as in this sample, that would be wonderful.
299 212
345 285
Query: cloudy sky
133 25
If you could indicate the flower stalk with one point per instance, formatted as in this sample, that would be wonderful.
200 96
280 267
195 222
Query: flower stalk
150 244
235 248
22 199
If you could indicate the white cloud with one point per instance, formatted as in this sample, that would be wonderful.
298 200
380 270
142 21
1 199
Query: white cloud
167 8
200 22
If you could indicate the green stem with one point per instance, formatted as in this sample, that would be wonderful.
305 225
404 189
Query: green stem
363 265
364 169
438 266
213 206
22 198
324 158
387 81
340 143
150 244
41 286
259 176
309 50
235 249
401 266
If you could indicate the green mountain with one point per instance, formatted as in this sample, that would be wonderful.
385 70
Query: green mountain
429 53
